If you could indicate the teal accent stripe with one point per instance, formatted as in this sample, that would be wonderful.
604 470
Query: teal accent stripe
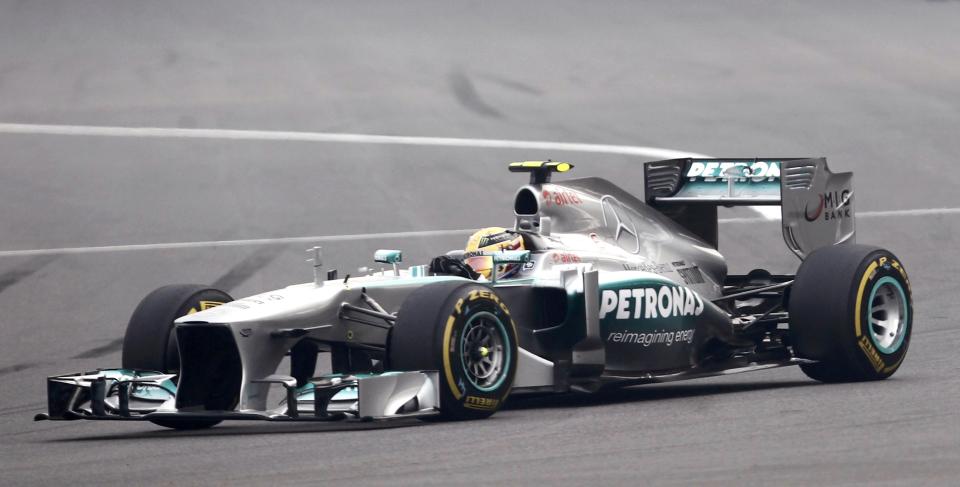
506 340
906 314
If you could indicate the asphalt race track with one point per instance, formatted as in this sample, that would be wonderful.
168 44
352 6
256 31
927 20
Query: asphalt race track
875 86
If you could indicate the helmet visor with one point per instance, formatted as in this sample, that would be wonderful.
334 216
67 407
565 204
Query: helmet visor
483 264
480 263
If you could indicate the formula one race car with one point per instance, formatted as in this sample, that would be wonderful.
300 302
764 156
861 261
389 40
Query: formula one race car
606 290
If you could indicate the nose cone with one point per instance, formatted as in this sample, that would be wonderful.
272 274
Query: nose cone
289 303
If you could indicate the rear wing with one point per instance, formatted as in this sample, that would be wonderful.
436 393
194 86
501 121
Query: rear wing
816 204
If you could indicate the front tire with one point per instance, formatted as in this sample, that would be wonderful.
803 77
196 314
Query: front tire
150 343
464 330
851 310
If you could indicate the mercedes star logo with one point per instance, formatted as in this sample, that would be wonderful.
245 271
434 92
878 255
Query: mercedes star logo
618 221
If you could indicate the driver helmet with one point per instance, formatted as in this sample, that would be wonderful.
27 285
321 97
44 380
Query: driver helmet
492 239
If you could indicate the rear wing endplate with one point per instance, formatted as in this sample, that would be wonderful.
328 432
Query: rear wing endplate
816 204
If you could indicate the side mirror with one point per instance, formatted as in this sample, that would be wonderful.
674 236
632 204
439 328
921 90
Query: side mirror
384 256
510 256
507 257
392 257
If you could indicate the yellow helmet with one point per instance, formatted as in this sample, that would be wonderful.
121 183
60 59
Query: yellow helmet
492 239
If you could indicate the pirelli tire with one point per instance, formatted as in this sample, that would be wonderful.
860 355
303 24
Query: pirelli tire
851 310
149 342
465 331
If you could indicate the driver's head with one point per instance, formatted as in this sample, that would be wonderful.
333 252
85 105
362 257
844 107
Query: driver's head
493 239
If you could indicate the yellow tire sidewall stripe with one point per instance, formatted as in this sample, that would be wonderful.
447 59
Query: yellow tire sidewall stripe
863 284
447 370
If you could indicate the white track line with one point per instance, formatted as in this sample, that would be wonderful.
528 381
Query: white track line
914 212
865 214
270 135
768 214
227 134
375 236
232 243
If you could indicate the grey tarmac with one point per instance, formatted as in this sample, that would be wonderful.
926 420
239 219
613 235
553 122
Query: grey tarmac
872 85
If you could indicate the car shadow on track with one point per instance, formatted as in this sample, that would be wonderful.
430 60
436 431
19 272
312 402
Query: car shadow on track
248 428
647 392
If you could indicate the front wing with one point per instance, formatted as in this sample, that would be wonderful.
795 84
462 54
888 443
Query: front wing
130 395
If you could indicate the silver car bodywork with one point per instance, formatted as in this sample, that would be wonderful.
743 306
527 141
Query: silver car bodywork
636 289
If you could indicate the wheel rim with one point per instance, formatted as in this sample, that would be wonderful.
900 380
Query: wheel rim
484 353
888 315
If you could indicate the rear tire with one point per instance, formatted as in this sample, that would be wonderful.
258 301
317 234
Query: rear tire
149 342
851 310
463 330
